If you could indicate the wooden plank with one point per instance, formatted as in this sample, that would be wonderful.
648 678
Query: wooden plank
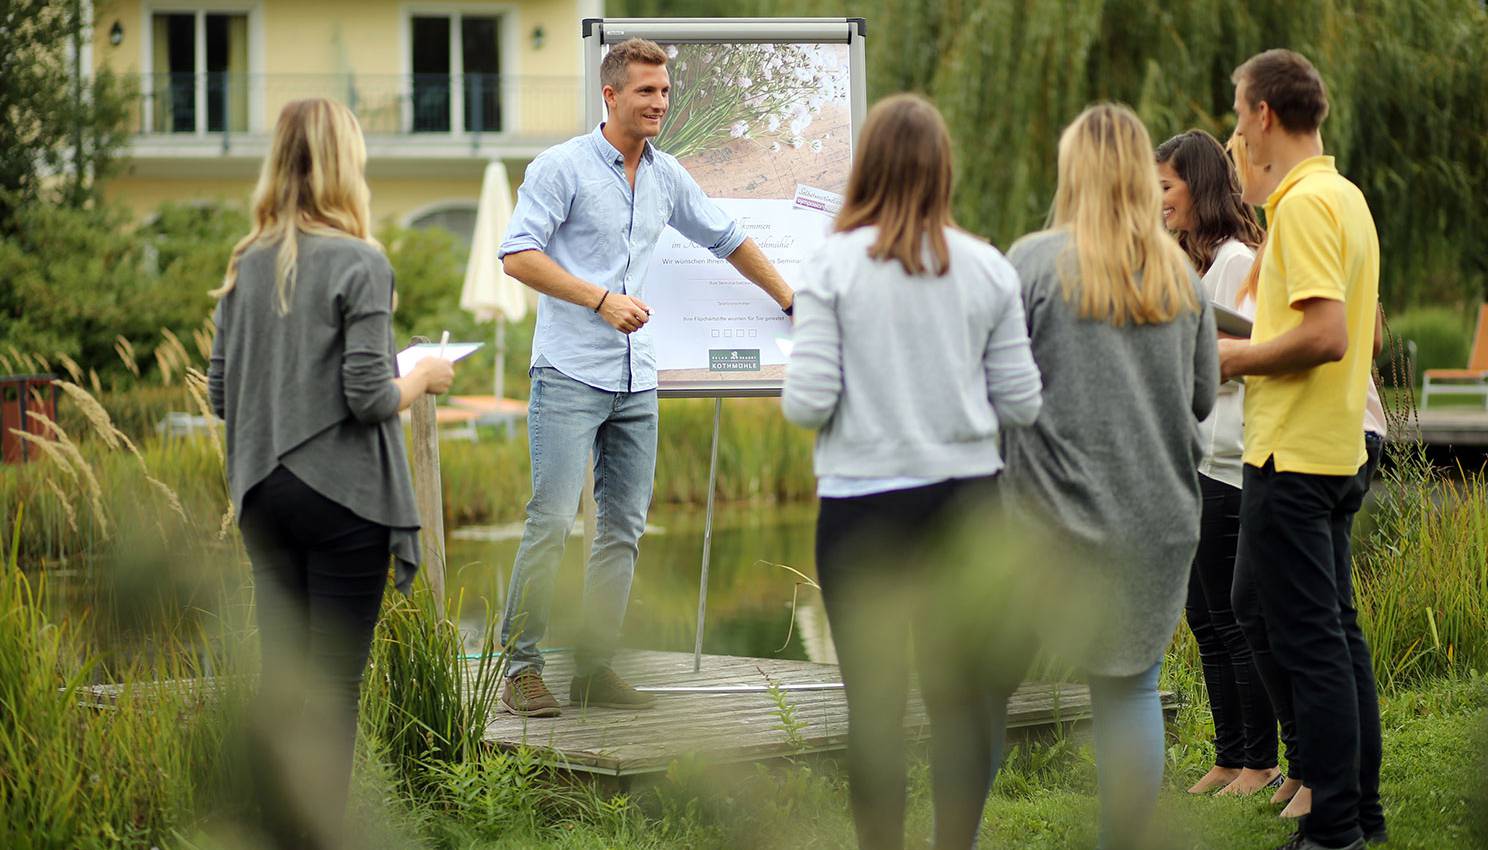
1454 426
727 728
722 728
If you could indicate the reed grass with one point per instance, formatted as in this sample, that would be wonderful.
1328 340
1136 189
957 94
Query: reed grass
1421 552
423 701
146 516
760 457
1421 573
125 776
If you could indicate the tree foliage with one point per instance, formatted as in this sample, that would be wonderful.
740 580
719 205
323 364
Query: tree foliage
77 279
59 131
1408 81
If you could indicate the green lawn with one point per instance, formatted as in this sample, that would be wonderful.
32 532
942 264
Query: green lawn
1433 787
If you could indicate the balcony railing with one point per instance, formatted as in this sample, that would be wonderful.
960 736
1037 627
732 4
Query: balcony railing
464 106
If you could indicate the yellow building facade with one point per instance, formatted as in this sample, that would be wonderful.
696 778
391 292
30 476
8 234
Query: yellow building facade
440 88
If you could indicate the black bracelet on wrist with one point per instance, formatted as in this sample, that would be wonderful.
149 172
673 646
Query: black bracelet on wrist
601 300
789 309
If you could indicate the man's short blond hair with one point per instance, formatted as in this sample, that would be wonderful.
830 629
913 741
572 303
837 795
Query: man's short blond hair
614 71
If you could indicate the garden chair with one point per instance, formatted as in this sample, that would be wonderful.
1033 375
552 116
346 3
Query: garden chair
1470 381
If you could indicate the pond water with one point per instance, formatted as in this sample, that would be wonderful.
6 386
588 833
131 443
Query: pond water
749 597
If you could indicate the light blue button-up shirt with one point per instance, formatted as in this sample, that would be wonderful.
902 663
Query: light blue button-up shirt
576 206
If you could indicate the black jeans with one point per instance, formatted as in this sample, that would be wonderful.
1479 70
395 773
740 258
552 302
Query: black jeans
1244 724
1294 545
885 573
319 572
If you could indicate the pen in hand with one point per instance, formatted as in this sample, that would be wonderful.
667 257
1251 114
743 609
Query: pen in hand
443 341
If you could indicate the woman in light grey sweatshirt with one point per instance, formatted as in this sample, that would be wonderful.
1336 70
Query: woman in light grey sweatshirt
1108 473
910 355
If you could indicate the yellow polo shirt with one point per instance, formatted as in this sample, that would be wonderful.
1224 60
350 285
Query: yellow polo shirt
1321 244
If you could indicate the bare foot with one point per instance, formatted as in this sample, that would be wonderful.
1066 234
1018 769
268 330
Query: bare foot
1249 782
1217 777
1300 804
1286 792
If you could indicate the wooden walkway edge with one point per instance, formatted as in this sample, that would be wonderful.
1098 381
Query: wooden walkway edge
732 728
717 728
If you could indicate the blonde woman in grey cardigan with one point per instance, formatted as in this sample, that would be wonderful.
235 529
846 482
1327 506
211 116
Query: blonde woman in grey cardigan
910 356
1126 344
302 374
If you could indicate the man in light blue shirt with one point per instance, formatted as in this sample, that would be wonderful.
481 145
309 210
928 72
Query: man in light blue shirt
589 213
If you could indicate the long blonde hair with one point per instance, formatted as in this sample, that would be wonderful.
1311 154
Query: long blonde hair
1121 264
1245 174
901 182
312 181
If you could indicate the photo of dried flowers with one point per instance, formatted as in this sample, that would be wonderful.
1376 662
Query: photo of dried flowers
756 120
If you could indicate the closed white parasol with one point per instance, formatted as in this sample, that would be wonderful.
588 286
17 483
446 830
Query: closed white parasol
488 292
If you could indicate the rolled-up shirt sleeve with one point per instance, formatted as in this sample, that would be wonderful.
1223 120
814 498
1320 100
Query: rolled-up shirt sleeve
697 217
367 362
543 202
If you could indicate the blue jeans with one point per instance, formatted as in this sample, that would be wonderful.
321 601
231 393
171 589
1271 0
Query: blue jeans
566 420
1128 726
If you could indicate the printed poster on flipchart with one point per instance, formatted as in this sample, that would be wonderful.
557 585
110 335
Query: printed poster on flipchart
766 131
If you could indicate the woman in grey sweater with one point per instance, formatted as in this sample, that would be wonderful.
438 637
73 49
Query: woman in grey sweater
1125 341
910 354
302 374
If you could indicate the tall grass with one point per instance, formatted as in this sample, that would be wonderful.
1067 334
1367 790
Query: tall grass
153 761
760 457
1421 573
82 469
424 702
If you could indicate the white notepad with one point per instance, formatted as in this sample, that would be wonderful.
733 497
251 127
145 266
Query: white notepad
410 356
1229 321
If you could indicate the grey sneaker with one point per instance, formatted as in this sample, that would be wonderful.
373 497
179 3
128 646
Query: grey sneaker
605 689
525 695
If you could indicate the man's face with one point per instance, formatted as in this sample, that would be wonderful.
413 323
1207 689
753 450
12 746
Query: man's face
1249 124
639 107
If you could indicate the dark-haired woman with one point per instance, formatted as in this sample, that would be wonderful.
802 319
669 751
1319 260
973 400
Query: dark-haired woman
1202 205
911 354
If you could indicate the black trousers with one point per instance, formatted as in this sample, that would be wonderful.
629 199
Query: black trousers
887 574
1295 554
319 573
1244 723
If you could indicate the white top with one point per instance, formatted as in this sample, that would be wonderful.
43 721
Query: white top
1374 412
845 487
1222 435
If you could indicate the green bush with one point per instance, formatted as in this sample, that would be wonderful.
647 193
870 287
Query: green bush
430 269
1442 337
80 279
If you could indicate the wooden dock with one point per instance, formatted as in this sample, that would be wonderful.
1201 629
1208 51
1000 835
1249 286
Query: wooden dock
731 728
1448 426
720 728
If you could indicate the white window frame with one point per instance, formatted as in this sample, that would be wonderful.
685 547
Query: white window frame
200 9
510 29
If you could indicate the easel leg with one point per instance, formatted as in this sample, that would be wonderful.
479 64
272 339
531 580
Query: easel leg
697 646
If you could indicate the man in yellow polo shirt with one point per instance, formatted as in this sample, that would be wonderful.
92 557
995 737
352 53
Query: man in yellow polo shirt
1307 363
